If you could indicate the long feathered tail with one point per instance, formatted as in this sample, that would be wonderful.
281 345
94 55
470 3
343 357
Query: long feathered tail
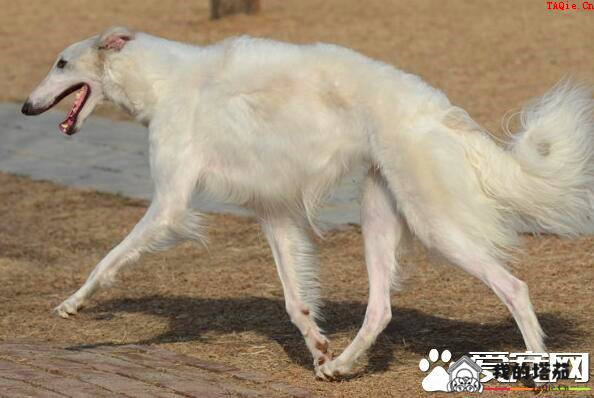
545 179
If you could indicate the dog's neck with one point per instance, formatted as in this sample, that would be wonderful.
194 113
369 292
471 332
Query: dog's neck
133 77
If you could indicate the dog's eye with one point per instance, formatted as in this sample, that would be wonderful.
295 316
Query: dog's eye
61 63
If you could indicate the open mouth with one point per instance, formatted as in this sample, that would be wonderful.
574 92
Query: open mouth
68 126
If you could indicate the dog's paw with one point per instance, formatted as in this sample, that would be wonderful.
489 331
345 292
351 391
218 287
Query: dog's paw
332 370
68 307
319 362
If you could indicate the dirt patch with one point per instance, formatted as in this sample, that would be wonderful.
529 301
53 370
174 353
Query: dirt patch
489 56
225 303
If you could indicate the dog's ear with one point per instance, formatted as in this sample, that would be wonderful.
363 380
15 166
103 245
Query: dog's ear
115 38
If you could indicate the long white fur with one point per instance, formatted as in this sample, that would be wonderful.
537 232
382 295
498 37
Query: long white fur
549 183
274 126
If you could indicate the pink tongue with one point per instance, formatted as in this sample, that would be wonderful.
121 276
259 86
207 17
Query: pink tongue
67 124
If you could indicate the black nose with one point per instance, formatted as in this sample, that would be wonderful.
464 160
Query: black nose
27 108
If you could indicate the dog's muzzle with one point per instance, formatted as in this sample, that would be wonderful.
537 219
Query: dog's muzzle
29 110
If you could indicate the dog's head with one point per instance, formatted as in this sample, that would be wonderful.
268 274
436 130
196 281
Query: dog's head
79 68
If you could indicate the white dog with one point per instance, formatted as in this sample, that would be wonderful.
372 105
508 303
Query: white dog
274 126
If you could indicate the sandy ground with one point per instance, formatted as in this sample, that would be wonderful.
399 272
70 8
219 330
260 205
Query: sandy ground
225 303
489 56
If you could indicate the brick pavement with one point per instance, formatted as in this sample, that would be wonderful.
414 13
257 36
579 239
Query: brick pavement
38 370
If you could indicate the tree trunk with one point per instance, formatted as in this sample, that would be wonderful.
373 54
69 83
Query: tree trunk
220 8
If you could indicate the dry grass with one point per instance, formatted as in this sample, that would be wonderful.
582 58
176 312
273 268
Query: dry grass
225 303
489 55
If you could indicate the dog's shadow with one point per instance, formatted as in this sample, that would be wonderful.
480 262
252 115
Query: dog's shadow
410 329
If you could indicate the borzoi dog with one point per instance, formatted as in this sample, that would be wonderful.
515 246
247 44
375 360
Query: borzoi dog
273 127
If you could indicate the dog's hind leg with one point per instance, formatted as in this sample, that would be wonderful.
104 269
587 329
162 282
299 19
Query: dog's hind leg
167 221
297 268
511 291
383 230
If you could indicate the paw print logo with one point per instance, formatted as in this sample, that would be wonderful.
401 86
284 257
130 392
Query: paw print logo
438 378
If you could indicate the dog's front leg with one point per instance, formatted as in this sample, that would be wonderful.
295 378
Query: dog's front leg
167 221
297 268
